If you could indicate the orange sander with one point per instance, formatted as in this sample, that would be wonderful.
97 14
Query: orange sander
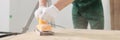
44 28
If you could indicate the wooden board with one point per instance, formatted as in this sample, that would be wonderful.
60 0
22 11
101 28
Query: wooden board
70 34
115 14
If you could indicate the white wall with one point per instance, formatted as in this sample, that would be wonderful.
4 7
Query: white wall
4 15
20 11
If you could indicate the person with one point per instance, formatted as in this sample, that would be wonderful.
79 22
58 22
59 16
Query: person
83 11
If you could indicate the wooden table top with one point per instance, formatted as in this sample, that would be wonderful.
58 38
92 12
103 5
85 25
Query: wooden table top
70 34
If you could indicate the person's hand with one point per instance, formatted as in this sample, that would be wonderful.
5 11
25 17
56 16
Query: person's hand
42 13
51 11
39 11
42 17
46 13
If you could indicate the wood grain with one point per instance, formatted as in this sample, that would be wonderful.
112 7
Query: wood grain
70 34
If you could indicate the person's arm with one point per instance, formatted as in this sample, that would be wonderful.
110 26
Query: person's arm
38 12
42 3
52 10
60 4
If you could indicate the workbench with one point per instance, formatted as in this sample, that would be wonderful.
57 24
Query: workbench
70 34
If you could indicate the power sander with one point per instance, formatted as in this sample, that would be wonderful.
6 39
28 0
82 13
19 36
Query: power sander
44 28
